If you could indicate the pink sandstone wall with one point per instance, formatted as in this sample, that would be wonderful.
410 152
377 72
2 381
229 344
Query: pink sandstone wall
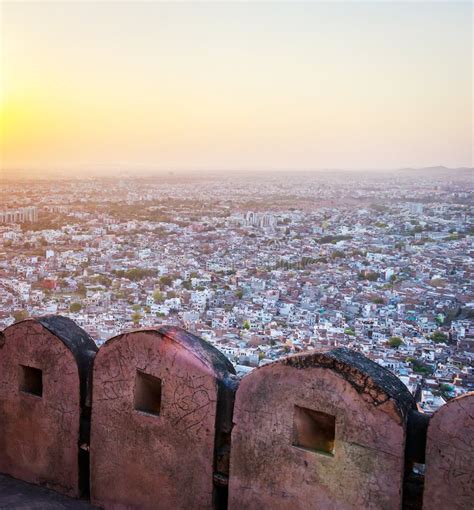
365 469
327 431
39 434
164 461
449 477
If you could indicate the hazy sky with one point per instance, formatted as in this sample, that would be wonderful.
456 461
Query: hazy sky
251 85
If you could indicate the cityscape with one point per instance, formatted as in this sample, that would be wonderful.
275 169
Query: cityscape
261 266
236 255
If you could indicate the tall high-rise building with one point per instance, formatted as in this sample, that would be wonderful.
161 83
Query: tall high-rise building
21 215
260 220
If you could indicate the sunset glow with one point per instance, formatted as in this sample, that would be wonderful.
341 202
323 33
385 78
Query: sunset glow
220 86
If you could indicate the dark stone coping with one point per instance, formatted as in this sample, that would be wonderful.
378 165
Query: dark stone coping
201 349
72 336
77 341
204 350
363 374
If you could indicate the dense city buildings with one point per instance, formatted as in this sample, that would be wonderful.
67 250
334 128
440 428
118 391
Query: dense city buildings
259 266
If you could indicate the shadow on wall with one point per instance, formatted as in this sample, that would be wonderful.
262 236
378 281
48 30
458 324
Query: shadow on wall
166 424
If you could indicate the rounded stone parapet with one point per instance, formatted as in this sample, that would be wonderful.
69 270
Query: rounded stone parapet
81 345
161 419
449 476
44 365
319 431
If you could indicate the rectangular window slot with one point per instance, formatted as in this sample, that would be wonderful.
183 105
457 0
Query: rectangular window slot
314 430
31 380
147 393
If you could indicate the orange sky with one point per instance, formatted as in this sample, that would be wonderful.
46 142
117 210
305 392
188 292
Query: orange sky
214 86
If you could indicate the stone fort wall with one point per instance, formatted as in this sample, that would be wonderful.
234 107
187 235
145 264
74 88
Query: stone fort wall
157 419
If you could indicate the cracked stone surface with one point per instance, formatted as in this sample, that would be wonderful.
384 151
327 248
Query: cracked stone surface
449 478
40 434
164 460
366 468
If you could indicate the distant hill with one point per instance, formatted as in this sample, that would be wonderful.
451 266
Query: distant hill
439 170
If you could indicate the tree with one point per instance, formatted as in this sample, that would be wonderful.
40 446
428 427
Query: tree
437 282
371 276
378 300
20 315
166 280
239 293
419 367
136 317
246 325
81 290
158 297
102 280
439 337
171 294
446 391
395 342
349 331
135 274
75 307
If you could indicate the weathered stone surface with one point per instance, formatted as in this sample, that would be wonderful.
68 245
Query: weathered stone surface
319 431
40 401
449 478
153 437
78 342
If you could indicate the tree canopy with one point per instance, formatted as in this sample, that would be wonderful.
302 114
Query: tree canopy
395 342
20 315
439 337
75 307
